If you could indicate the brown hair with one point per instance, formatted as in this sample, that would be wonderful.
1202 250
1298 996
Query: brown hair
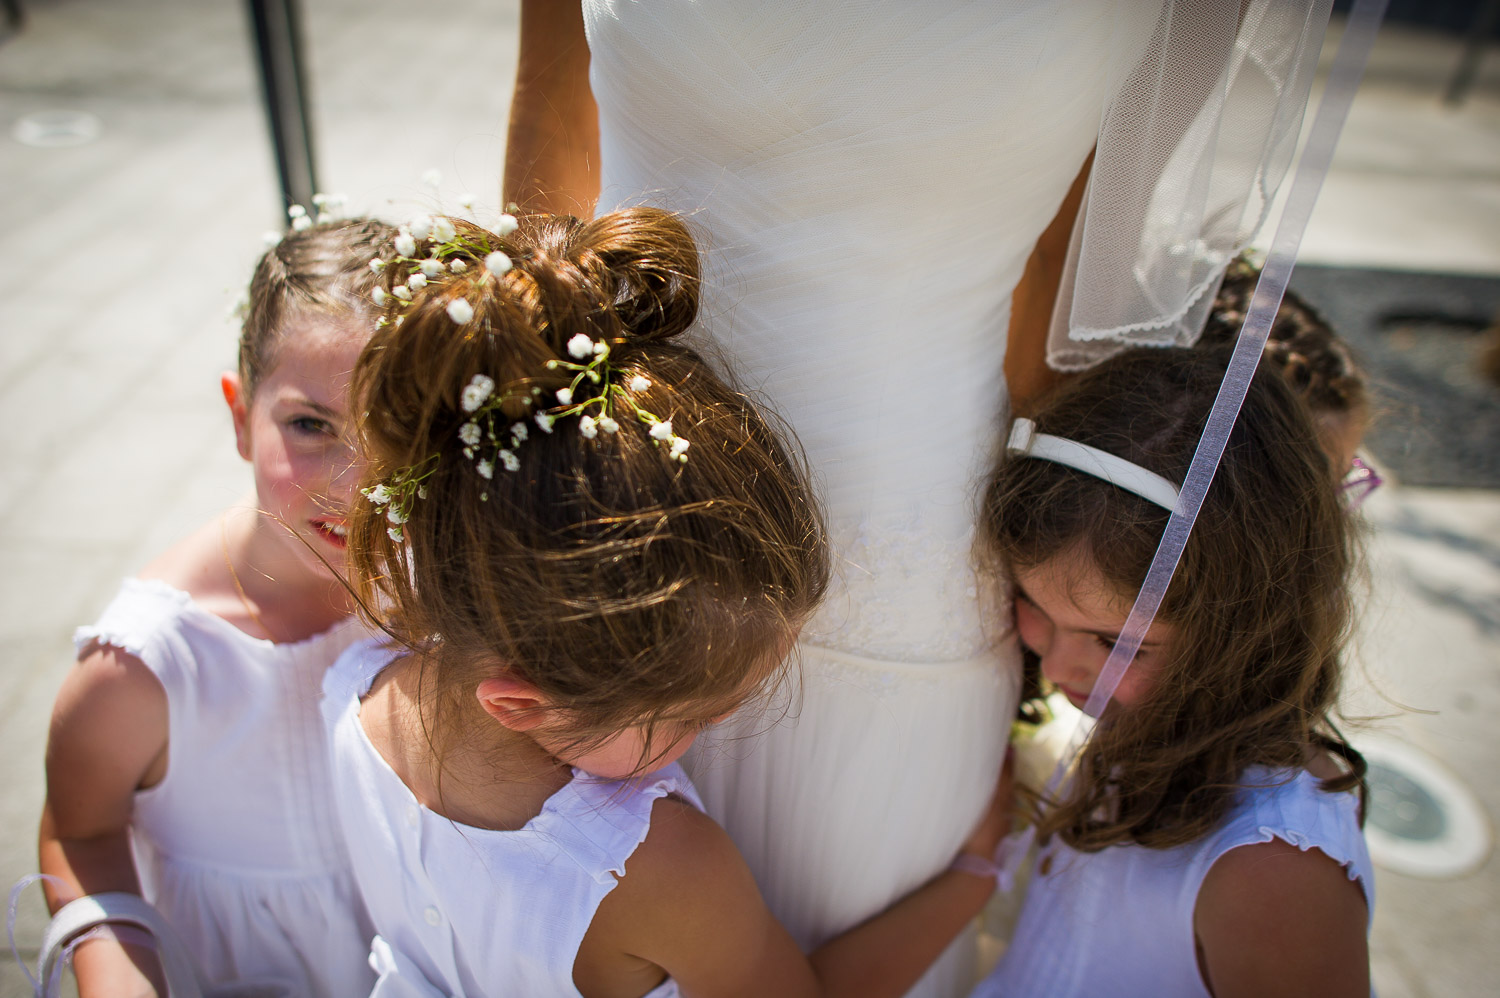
1315 362
323 270
626 586
1259 601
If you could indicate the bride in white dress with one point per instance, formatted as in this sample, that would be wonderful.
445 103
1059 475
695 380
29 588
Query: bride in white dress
867 181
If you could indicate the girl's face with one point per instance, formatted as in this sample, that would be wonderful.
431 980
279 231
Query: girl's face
1071 617
296 433
1341 434
632 752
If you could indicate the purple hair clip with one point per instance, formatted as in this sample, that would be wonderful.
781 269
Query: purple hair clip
1357 485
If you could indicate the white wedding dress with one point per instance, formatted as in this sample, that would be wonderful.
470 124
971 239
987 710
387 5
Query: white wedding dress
867 181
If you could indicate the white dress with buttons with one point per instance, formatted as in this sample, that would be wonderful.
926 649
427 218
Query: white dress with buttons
238 846
472 911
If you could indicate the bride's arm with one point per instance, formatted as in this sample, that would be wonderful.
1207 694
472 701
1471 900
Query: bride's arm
552 152
1026 370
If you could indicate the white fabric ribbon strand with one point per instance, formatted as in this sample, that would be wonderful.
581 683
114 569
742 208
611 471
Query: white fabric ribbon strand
1312 168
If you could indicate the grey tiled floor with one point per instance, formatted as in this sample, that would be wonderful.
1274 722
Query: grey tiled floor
121 256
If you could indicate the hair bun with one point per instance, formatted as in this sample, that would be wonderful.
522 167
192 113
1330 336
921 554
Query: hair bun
643 263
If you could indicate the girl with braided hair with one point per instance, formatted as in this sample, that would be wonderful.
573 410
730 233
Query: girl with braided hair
585 547
186 760
1316 363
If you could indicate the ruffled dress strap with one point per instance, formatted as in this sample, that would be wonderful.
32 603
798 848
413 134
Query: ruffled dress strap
600 823
1295 809
136 620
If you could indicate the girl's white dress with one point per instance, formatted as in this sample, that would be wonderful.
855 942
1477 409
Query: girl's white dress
238 845
473 911
867 181
1120 921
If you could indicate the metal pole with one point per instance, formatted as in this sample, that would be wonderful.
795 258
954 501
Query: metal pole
278 48
1480 30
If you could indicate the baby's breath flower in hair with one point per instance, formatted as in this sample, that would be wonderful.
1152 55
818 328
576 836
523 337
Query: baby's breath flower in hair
420 227
588 428
565 396
544 421
511 462
460 311
506 225
580 346
403 292
405 244
443 231
398 493
639 384
497 263
477 392
296 211
416 281
458 266
301 223
662 430
485 468
608 425
380 297
431 267
467 200
377 265
469 433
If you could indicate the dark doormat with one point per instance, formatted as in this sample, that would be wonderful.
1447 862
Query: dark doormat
1423 340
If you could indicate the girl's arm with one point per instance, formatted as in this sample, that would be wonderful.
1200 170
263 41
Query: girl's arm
690 906
552 151
108 738
1272 919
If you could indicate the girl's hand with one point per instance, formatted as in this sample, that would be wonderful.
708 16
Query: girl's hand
994 823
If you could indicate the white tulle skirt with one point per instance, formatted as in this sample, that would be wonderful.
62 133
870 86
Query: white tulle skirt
858 783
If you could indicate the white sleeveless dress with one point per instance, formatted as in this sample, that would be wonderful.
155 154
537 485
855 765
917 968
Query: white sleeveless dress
1075 939
867 181
465 911
238 845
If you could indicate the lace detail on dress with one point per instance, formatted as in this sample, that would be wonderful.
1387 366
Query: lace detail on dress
901 593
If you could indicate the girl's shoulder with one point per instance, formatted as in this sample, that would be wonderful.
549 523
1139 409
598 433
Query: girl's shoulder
688 904
1289 885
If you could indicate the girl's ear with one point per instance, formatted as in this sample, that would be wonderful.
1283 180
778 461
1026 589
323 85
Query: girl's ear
515 703
239 410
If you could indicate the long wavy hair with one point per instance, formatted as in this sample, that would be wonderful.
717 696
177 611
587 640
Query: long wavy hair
628 587
1260 600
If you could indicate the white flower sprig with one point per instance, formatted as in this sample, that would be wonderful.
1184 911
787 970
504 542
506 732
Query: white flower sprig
598 371
399 493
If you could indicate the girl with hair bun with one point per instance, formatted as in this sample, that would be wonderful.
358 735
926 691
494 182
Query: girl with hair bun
186 760
586 547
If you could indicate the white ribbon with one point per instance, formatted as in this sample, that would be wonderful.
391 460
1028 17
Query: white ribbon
1312 168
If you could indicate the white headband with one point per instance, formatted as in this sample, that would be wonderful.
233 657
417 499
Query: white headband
1024 440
